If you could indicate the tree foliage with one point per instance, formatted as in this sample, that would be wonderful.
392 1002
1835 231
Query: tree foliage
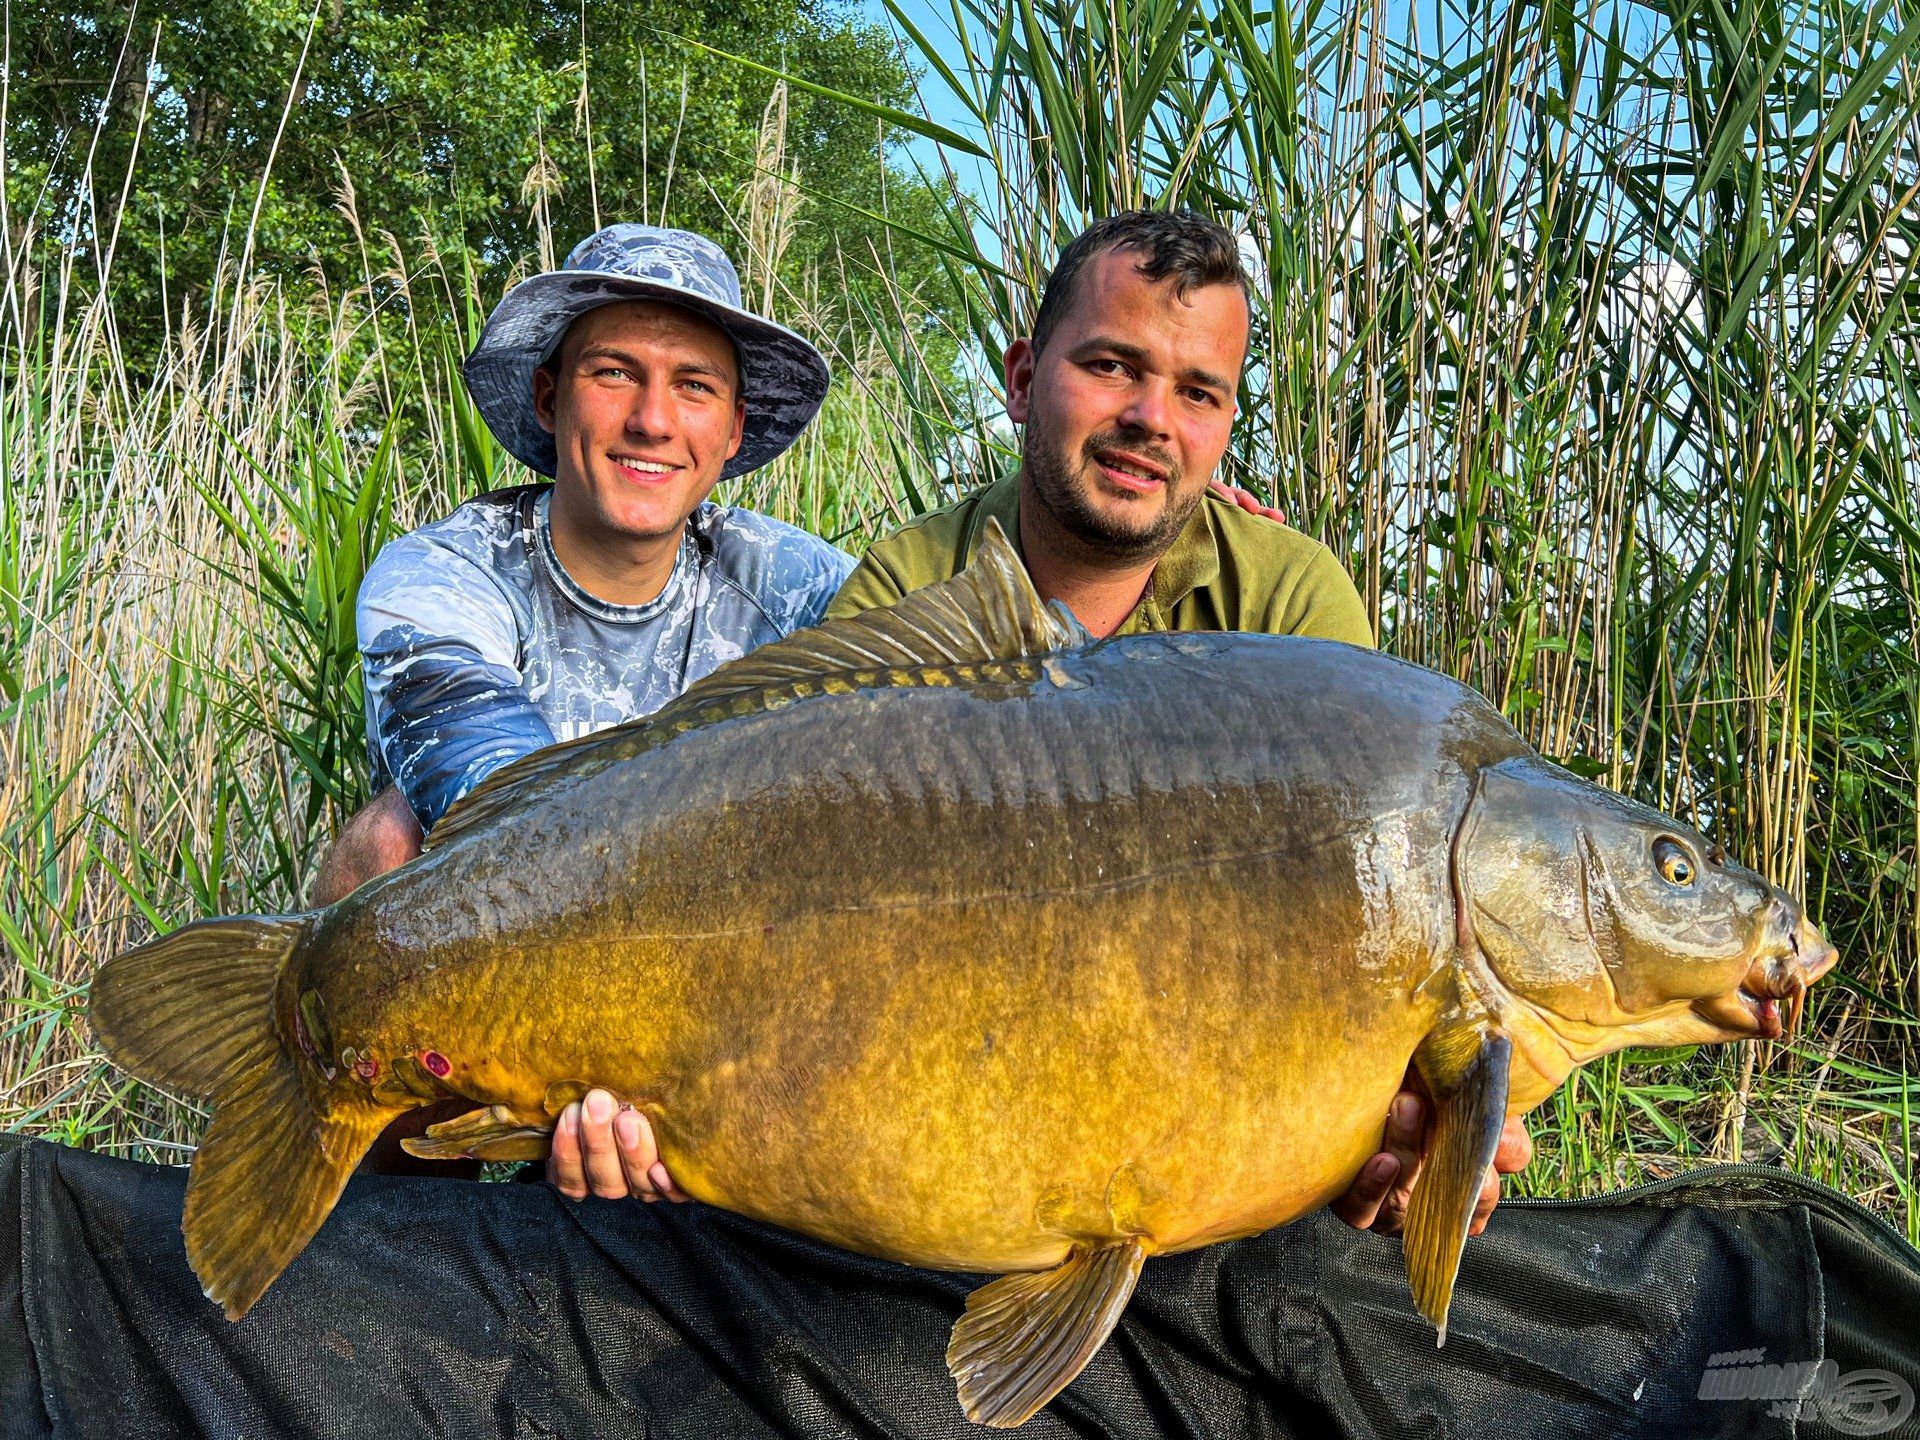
362 130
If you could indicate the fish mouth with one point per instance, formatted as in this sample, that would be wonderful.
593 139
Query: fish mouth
1772 999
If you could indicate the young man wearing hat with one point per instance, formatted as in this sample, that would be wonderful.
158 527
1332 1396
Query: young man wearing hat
635 378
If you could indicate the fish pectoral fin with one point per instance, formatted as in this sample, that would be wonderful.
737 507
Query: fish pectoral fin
492 1133
1024 1337
1466 1070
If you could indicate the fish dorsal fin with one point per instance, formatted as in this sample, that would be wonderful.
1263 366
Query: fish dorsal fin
987 613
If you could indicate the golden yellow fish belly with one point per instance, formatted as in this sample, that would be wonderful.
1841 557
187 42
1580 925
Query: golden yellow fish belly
995 1080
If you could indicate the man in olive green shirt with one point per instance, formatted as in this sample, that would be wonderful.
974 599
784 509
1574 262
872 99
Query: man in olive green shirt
1126 389
1227 569
1127 392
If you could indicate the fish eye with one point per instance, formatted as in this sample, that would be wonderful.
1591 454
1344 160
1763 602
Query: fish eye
1675 864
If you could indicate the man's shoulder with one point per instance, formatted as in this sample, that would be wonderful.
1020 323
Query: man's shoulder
1275 579
480 553
780 566
1276 546
486 530
934 540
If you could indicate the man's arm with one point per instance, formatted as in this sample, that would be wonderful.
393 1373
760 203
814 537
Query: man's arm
870 586
382 835
440 650
444 706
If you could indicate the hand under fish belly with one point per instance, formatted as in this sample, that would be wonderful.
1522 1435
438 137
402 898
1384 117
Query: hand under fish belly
943 935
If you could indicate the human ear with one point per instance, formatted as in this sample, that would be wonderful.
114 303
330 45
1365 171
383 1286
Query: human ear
544 390
1018 365
739 428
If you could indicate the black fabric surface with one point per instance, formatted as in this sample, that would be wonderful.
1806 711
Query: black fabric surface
430 1307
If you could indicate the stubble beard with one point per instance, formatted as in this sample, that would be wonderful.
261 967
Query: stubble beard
1069 502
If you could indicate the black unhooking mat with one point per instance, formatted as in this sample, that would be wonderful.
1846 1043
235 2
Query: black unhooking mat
431 1308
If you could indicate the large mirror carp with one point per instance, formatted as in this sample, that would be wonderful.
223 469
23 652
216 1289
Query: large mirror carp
941 934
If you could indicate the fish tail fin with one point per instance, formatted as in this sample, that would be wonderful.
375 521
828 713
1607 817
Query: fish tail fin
267 1173
194 1011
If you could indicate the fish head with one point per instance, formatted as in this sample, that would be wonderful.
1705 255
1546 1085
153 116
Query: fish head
1606 915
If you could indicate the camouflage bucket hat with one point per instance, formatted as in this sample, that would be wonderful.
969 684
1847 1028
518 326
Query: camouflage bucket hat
782 378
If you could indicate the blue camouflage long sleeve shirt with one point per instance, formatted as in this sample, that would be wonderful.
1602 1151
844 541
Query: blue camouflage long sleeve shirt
479 648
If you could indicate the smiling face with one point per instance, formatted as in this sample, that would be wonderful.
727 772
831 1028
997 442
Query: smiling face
1129 406
643 401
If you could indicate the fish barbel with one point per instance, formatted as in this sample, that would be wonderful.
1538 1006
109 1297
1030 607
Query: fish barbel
944 935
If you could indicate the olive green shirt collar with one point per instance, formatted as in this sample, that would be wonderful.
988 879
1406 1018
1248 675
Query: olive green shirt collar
1192 563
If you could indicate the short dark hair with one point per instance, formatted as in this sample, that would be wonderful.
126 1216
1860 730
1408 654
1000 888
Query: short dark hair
1185 244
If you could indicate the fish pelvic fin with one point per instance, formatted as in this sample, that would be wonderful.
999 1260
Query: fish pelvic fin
494 1133
986 614
1467 1072
1024 1337
194 1012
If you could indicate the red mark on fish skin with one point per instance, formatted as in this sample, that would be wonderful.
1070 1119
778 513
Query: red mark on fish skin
437 1063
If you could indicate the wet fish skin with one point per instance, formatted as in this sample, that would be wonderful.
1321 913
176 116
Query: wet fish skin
1020 914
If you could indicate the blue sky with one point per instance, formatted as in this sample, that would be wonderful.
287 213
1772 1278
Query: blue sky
935 20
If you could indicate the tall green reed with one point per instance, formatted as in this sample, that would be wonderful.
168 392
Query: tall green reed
1586 332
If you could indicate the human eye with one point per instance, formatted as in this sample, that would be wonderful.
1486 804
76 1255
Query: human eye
1107 365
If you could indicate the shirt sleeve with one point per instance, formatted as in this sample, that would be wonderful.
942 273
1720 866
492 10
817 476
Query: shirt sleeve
439 646
870 586
822 570
1325 605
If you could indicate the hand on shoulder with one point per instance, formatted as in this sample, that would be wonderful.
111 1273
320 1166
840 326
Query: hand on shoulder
1245 499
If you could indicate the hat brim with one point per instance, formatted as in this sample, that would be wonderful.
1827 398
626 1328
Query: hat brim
783 378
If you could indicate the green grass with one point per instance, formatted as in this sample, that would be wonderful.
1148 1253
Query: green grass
1585 332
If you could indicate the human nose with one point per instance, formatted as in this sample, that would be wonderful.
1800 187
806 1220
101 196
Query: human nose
651 414
1149 408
